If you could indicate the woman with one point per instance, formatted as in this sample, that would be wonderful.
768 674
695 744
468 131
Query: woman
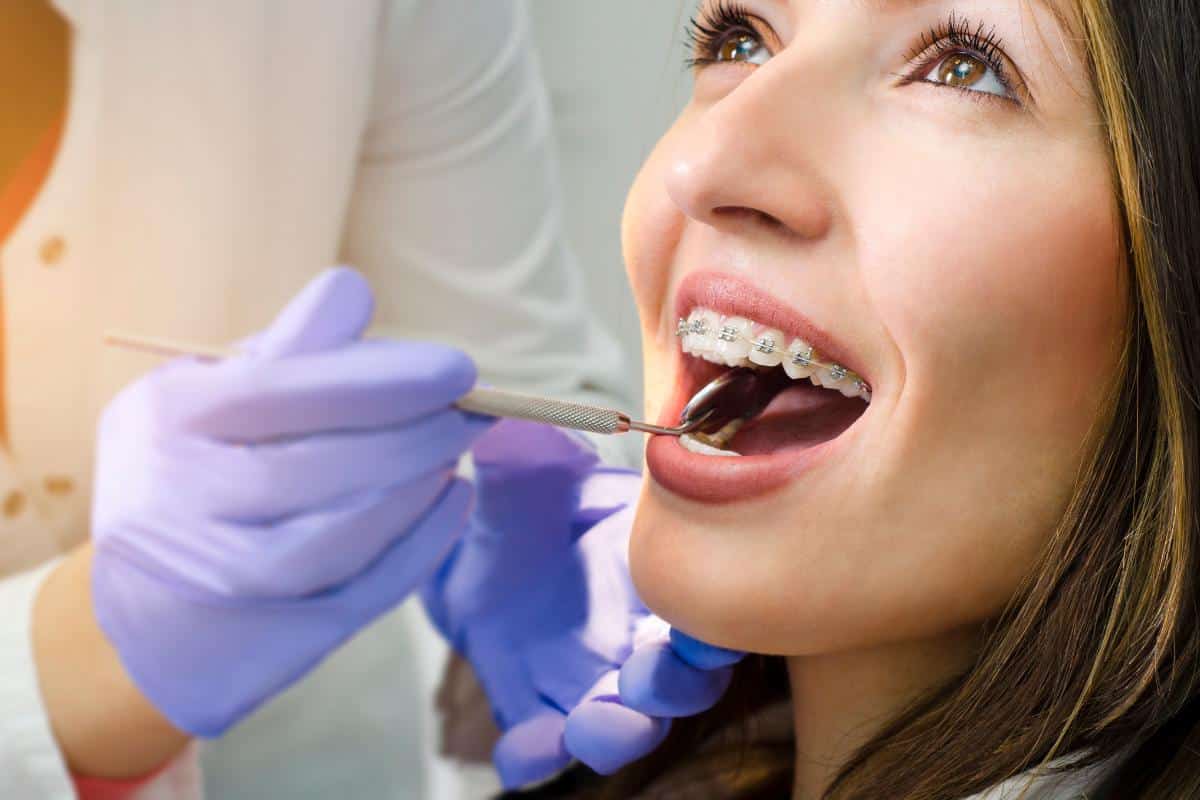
978 568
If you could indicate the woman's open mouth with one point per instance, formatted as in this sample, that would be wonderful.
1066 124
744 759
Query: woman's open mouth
800 397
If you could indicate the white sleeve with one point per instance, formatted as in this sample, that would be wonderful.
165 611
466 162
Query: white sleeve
182 779
456 215
31 765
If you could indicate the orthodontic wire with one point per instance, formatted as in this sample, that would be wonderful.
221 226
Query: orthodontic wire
726 333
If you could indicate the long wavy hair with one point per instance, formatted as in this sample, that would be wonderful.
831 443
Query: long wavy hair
1098 653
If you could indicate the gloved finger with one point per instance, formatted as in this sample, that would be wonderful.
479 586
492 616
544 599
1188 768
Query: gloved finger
505 679
606 735
333 309
596 616
656 681
529 477
649 628
413 558
606 491
261 483
533 750
306 553
433 599
517 448
702 655
365 385
562 667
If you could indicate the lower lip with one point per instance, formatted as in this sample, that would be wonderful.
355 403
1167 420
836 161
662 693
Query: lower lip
720 480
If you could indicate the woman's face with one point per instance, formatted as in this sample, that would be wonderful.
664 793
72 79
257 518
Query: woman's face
921 192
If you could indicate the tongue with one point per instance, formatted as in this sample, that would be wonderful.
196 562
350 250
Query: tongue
801 416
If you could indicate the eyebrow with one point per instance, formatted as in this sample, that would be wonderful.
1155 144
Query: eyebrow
1051 6
1060 16
1067 25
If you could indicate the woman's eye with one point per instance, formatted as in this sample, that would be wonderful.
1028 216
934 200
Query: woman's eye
745 48
966 71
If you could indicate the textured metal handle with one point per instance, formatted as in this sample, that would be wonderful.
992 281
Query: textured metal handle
495 403
489 402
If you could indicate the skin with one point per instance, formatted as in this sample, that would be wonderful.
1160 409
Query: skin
105 726
967 251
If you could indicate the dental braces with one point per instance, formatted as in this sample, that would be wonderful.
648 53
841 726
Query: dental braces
767 345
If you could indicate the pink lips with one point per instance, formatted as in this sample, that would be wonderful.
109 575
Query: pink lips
714 480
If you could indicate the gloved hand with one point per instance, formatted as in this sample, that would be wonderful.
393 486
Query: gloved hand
537 596
251 515
628 712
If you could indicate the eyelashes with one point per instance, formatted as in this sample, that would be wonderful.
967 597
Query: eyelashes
720 24
958 32
708 32
957 36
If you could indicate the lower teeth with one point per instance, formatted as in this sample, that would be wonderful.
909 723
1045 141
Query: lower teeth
692 443
742 400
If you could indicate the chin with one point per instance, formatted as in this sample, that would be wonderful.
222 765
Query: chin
716 582
765 578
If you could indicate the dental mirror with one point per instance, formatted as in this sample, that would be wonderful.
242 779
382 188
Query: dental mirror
740 393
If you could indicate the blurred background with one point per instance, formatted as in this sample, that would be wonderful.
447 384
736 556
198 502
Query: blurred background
616 78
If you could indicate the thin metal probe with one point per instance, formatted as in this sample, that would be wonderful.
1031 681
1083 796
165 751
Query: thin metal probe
485 401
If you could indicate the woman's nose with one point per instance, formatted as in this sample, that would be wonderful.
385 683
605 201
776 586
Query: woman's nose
739 168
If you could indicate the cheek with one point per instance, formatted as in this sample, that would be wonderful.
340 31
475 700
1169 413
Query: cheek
1003 290
650 230
1002 267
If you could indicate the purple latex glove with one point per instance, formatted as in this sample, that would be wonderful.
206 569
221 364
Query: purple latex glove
538 598
251 515
628 712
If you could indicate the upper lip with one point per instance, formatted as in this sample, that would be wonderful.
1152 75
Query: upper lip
734 296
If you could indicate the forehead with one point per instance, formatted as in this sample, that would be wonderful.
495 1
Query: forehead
1063 12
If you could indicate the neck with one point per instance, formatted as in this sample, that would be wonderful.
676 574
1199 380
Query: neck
841 700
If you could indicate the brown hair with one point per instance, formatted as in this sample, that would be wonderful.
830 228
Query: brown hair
1098 652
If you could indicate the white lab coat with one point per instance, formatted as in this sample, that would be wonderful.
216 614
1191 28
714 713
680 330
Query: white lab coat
216 156
1080 784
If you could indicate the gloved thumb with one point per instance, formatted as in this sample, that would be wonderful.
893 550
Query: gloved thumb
532 750
605 734
332 310
657 681
530 477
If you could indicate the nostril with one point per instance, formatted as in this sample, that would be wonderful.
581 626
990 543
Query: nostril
751 215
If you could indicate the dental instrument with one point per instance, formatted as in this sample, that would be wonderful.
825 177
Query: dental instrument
709 410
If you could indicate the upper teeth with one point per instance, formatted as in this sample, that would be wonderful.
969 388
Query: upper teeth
740 342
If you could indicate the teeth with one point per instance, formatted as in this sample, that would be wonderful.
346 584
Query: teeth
740 342
721 438
702 339
768 348
829 376
733 340
799 362
689 442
